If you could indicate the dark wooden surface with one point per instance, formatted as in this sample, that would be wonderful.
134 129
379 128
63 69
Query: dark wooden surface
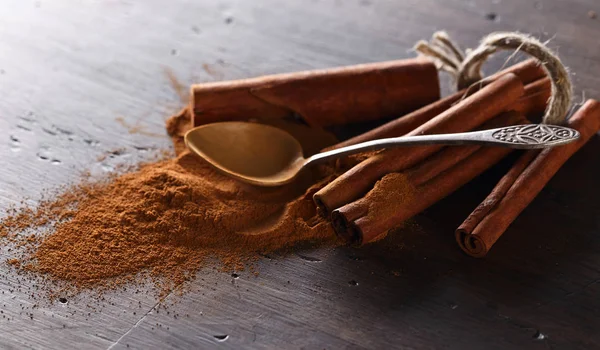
70 69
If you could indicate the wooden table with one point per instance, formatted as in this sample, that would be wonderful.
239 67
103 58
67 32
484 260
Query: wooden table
82 79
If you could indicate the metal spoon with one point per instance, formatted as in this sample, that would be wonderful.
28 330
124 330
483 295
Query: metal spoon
267 156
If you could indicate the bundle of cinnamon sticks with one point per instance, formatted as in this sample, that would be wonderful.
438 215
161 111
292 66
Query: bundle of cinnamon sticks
381 192
378 192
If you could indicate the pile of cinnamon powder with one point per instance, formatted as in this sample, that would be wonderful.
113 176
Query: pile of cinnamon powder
167 219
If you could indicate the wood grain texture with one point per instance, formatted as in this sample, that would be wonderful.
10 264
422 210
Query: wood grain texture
70 69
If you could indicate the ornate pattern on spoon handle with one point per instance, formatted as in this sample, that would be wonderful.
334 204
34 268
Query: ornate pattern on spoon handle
535 134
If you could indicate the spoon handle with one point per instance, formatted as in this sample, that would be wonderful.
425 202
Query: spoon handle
529 136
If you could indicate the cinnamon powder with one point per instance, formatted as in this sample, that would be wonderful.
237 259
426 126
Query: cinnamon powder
394 185
168 219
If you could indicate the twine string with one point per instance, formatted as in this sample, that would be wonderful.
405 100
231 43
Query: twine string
465 68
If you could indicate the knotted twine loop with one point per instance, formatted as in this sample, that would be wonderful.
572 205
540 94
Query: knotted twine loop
466 69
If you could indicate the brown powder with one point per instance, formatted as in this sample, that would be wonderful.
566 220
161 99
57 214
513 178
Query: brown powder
393 185
177 126
136 128
168 219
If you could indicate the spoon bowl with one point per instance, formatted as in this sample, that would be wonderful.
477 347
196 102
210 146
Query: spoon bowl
267 156
255 153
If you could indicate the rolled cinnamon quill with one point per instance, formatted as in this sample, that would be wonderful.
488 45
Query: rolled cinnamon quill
529 71
517 189
399 196
535 99
466 115
321 97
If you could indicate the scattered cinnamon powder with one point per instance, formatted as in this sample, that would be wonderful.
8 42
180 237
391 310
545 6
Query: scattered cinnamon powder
168 219
136 128
177 126
181 89
393 185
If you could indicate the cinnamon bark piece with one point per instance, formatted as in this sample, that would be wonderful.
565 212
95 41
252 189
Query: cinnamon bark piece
528 71
324 97
535 99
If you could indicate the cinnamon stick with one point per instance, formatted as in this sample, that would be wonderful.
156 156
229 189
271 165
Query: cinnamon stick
517 189
529 71
491 201
321 97
399 196
540 85
464 116
535 99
